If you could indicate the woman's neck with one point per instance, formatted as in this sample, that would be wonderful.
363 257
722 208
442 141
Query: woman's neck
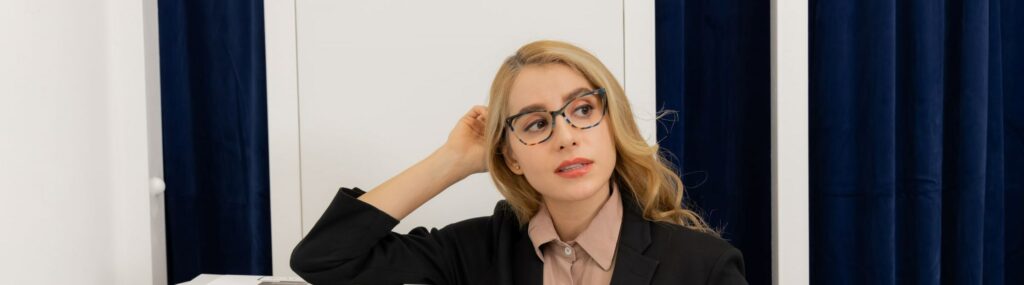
571 218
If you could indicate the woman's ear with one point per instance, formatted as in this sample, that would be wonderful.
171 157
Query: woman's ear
510 160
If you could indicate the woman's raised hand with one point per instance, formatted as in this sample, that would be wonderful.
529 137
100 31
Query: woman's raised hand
467 141
462 155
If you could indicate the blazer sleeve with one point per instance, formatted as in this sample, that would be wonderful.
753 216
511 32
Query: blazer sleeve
352 243
728 268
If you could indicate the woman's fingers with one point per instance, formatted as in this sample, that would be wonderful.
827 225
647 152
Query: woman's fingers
478 118
476 111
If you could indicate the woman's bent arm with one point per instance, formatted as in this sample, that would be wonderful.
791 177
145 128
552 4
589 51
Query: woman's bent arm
410 189
462 155
352 242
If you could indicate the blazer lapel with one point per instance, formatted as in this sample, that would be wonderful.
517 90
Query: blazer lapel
516 261
631 266
528 268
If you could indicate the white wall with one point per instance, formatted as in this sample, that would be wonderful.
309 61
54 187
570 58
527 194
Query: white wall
373 101
79 141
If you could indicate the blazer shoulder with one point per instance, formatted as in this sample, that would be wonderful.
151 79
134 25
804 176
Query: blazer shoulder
504 215
701 246
696 239
717 258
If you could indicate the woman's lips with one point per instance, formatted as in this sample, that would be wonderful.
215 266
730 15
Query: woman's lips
574 170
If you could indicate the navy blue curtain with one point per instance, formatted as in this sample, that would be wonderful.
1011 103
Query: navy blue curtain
714 71
917 142
213 85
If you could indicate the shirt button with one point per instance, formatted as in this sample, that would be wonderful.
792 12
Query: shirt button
568 251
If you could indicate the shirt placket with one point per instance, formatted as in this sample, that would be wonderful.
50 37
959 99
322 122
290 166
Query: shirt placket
569 253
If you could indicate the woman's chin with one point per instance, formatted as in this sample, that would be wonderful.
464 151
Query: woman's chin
573 192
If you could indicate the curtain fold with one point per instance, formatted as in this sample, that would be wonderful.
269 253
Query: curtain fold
213 93
913 146
714 71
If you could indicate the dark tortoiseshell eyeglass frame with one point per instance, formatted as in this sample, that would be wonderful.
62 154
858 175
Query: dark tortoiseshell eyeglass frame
599 92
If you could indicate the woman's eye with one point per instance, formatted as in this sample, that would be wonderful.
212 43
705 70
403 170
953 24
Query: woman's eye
536 125
584 110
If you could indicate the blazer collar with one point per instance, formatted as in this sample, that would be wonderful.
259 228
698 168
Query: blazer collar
631 266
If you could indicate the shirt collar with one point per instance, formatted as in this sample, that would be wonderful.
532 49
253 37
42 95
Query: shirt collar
599 239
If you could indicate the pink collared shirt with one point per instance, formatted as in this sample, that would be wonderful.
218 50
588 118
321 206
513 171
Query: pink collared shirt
587 260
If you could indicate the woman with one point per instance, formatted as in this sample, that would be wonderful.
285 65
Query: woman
588 201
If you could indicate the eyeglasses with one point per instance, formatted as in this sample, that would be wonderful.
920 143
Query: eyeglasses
535 127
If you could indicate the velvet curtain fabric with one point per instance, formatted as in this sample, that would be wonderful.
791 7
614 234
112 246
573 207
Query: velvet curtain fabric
213 89
916 159
714 71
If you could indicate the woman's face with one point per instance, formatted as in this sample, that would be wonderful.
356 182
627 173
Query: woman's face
548 86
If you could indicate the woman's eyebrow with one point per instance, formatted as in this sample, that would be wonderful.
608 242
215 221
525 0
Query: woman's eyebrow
538 107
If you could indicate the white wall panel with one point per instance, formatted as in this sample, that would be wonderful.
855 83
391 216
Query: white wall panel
361 90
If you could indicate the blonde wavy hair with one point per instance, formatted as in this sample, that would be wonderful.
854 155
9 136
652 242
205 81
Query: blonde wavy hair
641 167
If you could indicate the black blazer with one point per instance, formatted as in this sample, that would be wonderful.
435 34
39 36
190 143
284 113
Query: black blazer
352 243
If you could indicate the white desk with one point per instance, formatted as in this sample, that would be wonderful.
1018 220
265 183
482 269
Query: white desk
214 279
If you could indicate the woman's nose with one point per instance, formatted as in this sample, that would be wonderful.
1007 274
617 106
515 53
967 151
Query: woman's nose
564 134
